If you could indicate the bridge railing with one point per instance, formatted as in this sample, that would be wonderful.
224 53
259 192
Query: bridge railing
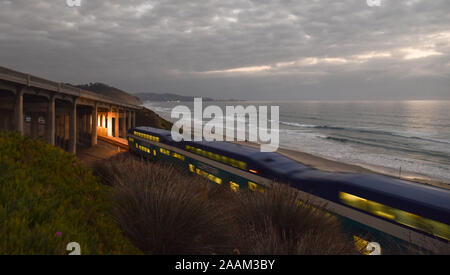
38 82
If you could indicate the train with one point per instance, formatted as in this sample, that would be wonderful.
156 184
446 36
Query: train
411 212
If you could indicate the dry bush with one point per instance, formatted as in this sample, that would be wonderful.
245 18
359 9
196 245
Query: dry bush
165 211
274 223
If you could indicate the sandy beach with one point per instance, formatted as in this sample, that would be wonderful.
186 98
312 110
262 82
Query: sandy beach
328 165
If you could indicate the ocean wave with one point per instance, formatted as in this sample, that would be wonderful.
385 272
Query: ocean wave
299 125
367 131
443 157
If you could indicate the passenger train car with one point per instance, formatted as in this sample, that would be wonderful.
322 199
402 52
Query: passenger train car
411 212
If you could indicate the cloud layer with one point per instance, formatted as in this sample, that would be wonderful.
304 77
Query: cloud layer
254 49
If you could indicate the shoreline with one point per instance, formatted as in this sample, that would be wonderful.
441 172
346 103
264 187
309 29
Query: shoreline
328 165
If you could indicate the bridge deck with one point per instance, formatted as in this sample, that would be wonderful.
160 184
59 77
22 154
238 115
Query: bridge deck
119 142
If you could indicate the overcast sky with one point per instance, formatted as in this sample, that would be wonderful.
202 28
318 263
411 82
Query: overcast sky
254 49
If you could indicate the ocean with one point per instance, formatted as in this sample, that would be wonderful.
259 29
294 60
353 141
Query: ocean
411 138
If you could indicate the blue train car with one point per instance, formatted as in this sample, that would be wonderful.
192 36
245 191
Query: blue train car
406 210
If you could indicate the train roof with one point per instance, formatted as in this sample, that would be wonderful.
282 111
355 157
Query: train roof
273 162
434 196
151 130
383 185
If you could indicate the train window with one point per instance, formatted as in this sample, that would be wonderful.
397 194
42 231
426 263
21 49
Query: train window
164 151
408 219
230 161
224 159
216 157
255 187
207 175
234 186
210 155
191 168
178 156
242 165
233 162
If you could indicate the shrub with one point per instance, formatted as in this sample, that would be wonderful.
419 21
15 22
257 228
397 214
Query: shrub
47 199
165 211
276 223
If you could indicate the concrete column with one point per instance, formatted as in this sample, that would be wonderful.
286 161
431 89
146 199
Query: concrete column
50 122
88 123
124 124
110 116
34 125
133 123
19 111
82 122
116 128
73 128
129 120
94 125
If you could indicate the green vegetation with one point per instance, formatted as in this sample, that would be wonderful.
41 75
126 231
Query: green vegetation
164 210
146 117
47 200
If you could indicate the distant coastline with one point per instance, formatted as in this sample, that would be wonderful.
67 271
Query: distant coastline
169 97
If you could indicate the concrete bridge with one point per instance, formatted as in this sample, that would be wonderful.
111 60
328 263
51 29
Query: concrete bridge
60 114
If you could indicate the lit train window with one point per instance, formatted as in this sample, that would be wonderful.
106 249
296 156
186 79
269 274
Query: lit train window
411 220
209 176
178 156
230 161
234 186
130 139
255 187
154 152
191 168
146 136
216 157
164 151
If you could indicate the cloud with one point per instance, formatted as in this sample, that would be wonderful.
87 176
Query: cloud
232 48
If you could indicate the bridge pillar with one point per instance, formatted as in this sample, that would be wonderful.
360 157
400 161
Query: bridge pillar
34 125
19 110
133 123
116 127
73 128
109 124
50 122
94 125
129 120
124 124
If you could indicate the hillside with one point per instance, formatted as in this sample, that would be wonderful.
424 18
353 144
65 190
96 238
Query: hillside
146 117
167 97
110 91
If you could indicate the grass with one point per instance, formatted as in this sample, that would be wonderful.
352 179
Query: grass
164 210
48 199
